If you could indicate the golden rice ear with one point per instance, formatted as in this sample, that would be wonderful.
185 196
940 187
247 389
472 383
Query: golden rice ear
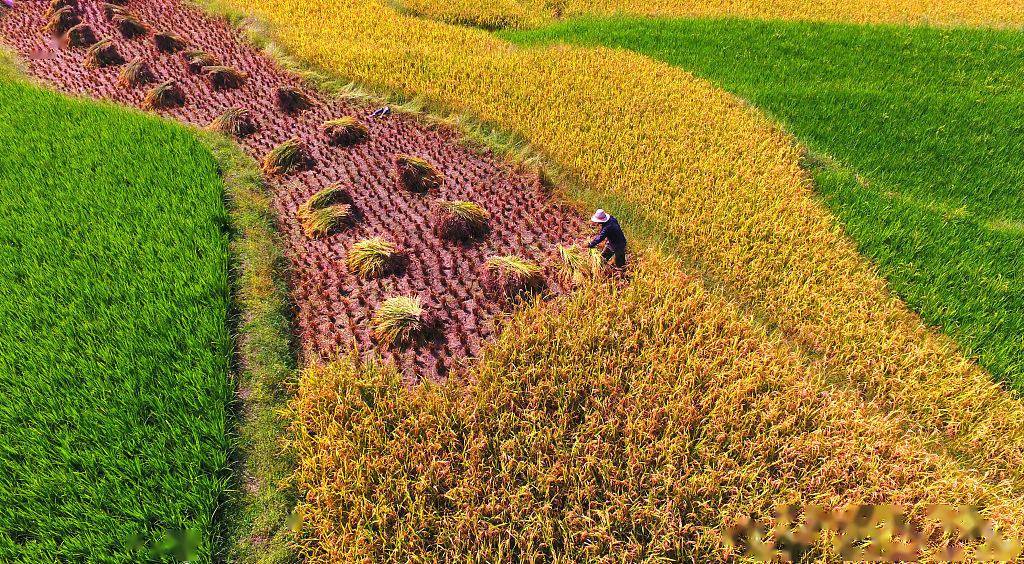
62 21
169 43
345 131
196 61
373 257
224 78
457 220
325 221
58 5
401 321
292 100
111 11
165 95
103 54
136 73
82 35
237 122
290 156
130 27
416 175
511 278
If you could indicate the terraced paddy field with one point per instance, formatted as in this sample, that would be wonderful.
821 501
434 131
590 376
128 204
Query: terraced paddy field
114 368
752 356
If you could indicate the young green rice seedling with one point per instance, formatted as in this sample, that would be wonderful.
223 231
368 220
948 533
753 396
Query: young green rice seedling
236 122
345 131
103 53
290 156
399 321
292 100
136 73
61 21
372 257
510 277
225 78
579 265
457 220
416 175
168 43
165 95
82 35
130 27
324 221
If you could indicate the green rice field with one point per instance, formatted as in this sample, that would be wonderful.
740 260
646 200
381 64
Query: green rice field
114 294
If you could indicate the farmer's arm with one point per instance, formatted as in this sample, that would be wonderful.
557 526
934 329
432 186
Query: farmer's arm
600 237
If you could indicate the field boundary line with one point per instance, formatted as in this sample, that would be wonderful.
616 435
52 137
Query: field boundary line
257 524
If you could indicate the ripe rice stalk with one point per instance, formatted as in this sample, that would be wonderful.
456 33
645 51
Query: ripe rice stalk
58 5
510 277
224 78
345 131
324 221
372 257
130 27
169 43
196 61
165 95
111 11
416 175
103 53
136 73
580 264
544 183
61 21
399 321
236 122
333 194
292 100
290 156
458 220
82 35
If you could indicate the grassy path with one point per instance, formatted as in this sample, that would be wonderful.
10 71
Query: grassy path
114 295
922 129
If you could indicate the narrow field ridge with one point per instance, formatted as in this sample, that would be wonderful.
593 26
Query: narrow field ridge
334 308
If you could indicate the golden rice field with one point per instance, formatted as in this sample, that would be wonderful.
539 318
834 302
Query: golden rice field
786 338
572 442
528 13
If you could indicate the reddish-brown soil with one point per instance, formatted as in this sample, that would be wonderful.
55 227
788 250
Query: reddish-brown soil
334 307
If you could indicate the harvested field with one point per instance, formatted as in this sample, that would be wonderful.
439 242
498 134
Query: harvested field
334 307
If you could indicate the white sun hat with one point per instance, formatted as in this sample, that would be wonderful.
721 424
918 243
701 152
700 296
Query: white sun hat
600 216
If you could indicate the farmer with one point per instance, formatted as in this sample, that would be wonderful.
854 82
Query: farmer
611 232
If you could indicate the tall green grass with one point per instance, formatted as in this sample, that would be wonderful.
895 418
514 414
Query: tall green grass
114 339
916 136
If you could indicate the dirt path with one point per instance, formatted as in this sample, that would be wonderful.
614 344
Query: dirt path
334 308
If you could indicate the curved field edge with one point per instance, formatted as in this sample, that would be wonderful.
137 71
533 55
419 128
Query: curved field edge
256 519
734 202
926 122
524 14
115 376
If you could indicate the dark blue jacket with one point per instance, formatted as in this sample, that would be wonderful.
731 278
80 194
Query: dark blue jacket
611 231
